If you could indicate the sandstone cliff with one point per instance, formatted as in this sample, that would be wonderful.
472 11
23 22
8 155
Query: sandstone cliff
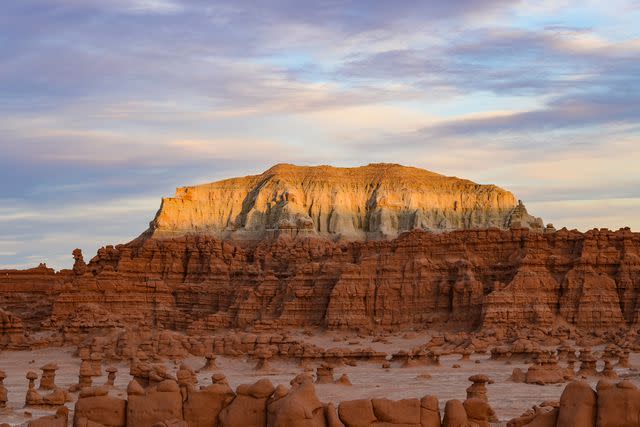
377 201
468 279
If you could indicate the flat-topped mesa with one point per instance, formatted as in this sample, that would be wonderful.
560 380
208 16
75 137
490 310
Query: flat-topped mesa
377 201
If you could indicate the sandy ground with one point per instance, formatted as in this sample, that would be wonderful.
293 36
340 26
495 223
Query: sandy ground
369 379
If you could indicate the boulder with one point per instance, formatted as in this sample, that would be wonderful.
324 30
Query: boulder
429 412
405 411
156 404
455 415
249 407
202 407
618 404
298 408
578 405
60 419
357 413
107 410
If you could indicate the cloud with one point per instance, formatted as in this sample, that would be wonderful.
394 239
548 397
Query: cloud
569 112
588 214
120 6
109 102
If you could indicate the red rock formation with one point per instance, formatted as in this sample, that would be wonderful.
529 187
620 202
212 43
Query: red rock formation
612 405
472 278
95 405
386 412
180 275
158 403
12 332
260 404
29 294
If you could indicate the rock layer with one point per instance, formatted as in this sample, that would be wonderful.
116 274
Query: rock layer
473 278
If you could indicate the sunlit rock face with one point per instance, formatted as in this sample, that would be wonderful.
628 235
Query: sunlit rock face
377 201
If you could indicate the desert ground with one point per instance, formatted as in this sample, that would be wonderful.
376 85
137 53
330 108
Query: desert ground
369 379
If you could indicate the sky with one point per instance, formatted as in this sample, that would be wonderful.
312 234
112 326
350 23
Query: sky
107 106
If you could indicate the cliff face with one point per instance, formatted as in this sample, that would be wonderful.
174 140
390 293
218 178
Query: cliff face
469 279
377 201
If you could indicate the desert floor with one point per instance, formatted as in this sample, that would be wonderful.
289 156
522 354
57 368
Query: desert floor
369 379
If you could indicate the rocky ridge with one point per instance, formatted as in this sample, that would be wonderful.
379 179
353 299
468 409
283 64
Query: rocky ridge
466 279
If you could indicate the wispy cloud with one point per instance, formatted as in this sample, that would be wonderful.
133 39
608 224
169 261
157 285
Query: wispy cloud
108 105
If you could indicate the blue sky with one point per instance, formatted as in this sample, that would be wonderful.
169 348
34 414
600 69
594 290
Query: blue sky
106 106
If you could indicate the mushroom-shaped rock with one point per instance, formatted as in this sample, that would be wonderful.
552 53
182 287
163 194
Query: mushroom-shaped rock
111 375
48 379
32 377
263 357
324 374
32 397
587 362
478 388
546 370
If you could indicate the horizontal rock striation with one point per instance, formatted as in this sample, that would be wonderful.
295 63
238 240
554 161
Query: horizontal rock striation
377 201
468 279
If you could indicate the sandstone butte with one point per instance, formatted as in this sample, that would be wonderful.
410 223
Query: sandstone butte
380 246
376 201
